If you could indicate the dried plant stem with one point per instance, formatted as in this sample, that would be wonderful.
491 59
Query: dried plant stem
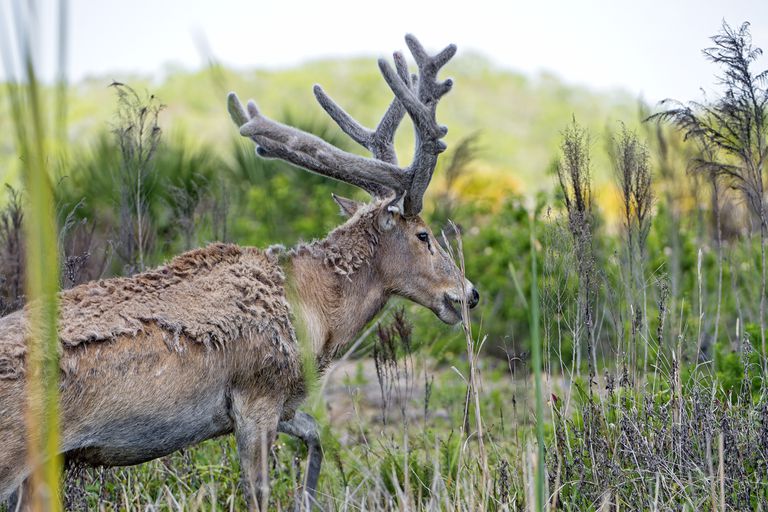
140 220
721 470
719 241
138 135
473 350
537 369
574 177
763 241
699 280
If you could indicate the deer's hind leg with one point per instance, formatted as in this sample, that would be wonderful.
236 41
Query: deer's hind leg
304 427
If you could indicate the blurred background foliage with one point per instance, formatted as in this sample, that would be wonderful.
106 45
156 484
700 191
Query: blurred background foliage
203 183
518 118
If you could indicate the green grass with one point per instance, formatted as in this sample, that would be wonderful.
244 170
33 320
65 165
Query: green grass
30 126
365 459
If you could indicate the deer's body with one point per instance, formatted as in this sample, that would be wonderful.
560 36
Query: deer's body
202 346
160 361
206 345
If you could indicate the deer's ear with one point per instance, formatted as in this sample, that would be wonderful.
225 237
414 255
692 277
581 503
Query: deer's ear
389 212
348 206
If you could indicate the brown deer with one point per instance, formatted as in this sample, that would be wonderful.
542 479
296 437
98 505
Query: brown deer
205 345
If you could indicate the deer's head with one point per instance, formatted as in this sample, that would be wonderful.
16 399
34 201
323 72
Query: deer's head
409 258
410 261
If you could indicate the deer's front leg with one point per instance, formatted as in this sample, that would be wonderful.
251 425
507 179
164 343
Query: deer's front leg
304 427
255 429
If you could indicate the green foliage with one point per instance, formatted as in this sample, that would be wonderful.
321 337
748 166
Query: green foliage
738 373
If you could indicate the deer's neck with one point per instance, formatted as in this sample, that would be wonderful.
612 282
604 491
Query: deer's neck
332 309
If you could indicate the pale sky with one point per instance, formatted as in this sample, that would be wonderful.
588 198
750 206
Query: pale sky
650 48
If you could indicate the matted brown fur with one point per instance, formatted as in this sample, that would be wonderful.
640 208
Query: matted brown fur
212 296
12 346
349 246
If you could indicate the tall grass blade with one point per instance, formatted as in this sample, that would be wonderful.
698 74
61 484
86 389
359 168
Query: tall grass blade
42 276
537 371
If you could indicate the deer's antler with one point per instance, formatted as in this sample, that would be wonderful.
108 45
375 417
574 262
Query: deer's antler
380 175
276 140
421 108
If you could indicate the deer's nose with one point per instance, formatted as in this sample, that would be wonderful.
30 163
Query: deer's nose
475 298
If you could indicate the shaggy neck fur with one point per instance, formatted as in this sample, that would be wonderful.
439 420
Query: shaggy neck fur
336 288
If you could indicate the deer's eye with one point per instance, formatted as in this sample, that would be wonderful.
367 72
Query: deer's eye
423 236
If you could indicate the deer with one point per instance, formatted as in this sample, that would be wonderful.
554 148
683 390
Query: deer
206 345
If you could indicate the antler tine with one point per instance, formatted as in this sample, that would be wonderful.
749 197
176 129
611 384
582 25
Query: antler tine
236 110
384 136
276 140
380 142
421 108
429 88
